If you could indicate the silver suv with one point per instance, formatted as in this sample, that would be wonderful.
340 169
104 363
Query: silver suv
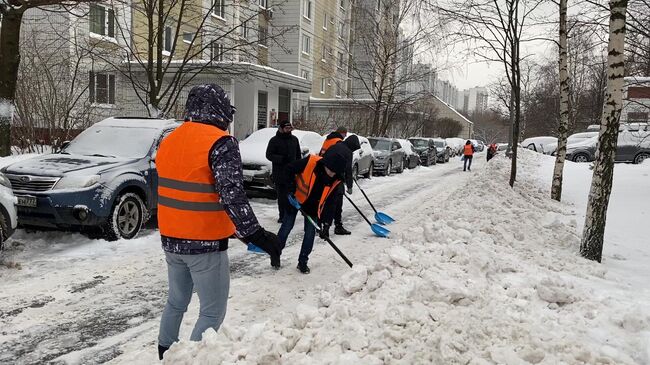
389 155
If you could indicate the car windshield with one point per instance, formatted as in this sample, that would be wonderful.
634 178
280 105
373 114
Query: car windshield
380 144
113 141
439 143
419 142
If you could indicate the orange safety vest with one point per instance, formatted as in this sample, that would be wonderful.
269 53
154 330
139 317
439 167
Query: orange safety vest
305 182
469 151
188 205
329 143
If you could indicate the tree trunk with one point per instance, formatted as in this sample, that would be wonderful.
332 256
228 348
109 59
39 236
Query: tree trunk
563 130
516 104
591 246
9 62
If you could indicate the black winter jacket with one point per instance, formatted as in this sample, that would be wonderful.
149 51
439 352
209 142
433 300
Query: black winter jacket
310 206
347 148
282 149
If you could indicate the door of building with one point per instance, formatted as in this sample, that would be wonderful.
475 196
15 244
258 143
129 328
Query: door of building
284 104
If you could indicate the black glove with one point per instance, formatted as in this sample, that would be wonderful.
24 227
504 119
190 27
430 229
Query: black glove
324 231
268 242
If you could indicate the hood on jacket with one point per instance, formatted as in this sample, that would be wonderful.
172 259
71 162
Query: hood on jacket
352 142
209 103
334 161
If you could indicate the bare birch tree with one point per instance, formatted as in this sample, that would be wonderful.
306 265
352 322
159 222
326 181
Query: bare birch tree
593 236
563 130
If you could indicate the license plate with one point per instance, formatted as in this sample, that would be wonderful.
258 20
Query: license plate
27 201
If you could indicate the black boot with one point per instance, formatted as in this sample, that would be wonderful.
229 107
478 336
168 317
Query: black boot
161 351
303 268
340 230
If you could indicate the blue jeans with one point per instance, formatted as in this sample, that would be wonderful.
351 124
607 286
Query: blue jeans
466 164
209 273
307 241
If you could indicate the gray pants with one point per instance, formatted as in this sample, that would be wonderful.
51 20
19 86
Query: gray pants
209 273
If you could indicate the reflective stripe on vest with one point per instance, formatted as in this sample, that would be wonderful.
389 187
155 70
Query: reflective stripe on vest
188 205
329 143
469 151
305 182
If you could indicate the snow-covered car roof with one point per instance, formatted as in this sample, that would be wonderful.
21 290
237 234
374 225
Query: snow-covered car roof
406 146
139 122
253 148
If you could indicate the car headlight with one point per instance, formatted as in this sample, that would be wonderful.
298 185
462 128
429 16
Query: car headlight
76 182
4 181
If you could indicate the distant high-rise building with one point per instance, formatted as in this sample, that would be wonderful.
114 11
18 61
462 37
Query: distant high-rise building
475 99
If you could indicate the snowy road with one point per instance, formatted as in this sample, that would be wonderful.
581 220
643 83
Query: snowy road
76 300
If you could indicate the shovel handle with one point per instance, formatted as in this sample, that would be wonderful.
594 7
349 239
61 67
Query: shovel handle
365 196
358 210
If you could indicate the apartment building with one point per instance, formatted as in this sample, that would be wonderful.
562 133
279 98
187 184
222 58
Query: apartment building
636 100
227 42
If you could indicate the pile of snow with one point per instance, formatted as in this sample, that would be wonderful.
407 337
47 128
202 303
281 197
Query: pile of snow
489 275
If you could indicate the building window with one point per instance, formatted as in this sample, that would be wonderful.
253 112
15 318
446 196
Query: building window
216 52
262 35
306 8
305 75
306 44
342 4
322 86
325 21
341 30
263 3
101 87
102 20
219 8
188 37
324 52
338 90
341 60
244 29
168 39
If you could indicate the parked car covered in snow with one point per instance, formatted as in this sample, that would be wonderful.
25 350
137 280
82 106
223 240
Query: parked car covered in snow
8 214
537 143
426 149
549 149
256 168
442 150
411 158
456 145
633 145
389 155
362 159
103 181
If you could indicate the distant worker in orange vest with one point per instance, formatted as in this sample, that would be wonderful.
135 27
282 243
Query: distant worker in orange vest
201 204
333 138
315 178
468 154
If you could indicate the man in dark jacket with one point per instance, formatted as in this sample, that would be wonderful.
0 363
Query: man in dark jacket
314 179
346 149
201 204
283 149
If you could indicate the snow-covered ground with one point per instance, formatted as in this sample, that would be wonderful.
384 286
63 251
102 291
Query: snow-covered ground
474 273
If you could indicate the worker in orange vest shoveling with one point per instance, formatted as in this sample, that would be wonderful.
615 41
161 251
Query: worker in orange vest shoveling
468 155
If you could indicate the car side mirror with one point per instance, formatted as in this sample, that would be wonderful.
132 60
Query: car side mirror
64 145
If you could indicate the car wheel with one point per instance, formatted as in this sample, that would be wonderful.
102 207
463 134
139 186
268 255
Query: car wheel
581 157
368 174
641 157
126 219
389 167
400 169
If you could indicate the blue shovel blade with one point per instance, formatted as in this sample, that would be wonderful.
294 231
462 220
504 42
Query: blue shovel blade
254 249
379 230
383 218
293 201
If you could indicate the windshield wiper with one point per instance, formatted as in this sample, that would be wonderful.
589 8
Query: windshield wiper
100 155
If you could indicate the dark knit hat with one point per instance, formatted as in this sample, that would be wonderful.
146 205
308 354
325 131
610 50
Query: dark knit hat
334 161
209 103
